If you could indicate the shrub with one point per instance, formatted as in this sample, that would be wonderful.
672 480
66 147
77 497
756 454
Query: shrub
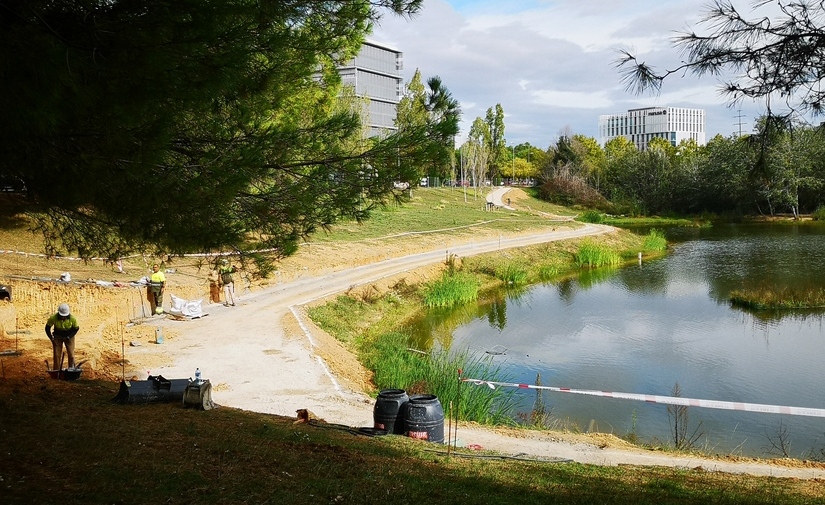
591 216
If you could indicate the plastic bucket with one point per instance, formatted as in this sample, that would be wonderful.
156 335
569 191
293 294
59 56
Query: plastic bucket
424 418
388 413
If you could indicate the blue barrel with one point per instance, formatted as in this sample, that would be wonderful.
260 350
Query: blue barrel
424 418
388 413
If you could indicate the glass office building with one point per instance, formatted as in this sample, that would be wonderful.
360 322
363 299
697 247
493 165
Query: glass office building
640 126
375 73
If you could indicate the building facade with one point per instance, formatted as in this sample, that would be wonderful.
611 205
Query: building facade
640 126
375 73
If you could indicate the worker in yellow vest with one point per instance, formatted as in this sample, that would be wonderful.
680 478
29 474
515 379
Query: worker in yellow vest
61 329
157 283
226 270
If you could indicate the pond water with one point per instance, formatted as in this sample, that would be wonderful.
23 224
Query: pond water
643 329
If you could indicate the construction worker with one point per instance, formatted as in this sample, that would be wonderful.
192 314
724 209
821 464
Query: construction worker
226 270
61 329
157 283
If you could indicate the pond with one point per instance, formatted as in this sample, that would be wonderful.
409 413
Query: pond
645 328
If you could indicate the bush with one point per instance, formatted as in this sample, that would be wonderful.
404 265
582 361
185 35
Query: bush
819 214
591 216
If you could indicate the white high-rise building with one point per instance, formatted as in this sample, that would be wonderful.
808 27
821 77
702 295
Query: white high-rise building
640 126
375 73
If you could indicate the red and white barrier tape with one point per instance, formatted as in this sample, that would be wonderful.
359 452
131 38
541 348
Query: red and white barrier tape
668 400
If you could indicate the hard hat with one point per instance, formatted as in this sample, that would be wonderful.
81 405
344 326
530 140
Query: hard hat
63 309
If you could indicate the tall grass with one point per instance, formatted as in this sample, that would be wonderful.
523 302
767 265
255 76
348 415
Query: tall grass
451 289
655 241
593 255
395 366
512 274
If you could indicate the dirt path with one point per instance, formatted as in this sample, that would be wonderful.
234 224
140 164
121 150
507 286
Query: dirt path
264 355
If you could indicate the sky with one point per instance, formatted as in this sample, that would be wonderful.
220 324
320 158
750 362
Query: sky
551 63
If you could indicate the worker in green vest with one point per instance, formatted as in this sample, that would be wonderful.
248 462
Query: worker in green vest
157 283
61 329
226 270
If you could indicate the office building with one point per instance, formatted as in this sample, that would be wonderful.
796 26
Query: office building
375 73
640 126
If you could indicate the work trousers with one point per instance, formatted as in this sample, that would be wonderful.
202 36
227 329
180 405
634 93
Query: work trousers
57 351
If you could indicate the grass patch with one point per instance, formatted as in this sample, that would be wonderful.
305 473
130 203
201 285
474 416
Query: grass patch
594 255
161 453
453 288
771 298
443 209
591 216
512 274
655 241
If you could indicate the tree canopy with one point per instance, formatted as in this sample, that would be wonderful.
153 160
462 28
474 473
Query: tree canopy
195 126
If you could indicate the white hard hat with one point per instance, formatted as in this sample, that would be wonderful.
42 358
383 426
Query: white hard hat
63 309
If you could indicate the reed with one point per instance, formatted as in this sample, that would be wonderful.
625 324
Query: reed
655 241
772 298
593 255
512 274
451 289
395 366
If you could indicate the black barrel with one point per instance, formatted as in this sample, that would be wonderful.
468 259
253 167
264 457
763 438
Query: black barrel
388 413
424 418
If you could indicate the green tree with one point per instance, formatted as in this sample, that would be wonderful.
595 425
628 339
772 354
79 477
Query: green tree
476 152
591 158
496 145
194 125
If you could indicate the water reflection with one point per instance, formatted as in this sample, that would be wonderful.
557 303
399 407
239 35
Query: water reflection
644 328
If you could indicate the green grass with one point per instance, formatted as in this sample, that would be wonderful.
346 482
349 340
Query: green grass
453 288
442 210
655 241
785 298
68 443
396 366
594 255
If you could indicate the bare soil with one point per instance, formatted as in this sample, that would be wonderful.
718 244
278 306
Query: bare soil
264 354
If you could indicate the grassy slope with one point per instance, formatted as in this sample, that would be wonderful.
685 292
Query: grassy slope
68 443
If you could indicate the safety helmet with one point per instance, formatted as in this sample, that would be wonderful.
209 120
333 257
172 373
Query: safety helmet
63 309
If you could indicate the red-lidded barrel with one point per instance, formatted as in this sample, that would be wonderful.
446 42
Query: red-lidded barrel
388 413
424 418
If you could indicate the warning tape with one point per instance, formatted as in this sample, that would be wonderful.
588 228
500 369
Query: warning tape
668 400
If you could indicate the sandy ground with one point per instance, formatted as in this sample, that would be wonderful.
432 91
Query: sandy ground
265 355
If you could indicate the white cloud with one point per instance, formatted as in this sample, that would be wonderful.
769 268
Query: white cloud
551 63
